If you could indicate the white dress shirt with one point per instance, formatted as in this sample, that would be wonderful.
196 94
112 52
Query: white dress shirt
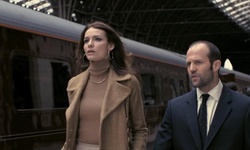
212 102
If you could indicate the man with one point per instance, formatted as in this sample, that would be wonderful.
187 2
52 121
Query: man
227 113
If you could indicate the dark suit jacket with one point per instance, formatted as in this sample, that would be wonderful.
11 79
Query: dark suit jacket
230 128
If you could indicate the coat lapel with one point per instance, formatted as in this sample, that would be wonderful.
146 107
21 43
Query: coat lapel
74 89
222 111
116 93
191 113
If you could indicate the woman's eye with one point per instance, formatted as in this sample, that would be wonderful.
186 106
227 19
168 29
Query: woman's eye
98 39
85 41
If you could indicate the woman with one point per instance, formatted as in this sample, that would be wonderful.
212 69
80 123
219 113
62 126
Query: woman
106 110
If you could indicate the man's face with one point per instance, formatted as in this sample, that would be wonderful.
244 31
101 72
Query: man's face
199 68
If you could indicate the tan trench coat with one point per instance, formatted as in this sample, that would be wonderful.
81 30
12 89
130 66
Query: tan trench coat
122 99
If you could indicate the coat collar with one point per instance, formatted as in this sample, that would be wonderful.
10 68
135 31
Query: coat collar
116 91
80 80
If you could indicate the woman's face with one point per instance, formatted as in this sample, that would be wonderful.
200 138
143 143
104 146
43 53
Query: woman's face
96 45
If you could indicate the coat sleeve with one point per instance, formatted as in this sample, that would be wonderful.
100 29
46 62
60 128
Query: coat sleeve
164 137
137 121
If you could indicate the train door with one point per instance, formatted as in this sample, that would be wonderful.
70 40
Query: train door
39 102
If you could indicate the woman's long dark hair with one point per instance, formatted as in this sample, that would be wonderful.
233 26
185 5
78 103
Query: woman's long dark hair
120 59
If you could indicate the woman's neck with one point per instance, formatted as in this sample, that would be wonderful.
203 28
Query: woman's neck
99 68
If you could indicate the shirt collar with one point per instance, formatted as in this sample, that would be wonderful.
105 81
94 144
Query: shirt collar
214 93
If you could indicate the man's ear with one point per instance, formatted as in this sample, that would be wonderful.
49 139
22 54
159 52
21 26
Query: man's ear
216 65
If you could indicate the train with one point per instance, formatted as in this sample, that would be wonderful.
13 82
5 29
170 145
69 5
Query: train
37 54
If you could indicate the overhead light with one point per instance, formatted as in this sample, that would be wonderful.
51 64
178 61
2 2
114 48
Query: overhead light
37 5
31 3
242 3
49 11
228 65
15 1
229 9
43 6
73 16
237 10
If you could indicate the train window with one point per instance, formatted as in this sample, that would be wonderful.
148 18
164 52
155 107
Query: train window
182 90
165 90
39 83
150 90
173 93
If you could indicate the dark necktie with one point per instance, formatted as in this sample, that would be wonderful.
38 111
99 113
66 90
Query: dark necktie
203 118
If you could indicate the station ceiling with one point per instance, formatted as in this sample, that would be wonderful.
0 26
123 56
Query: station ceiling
172 24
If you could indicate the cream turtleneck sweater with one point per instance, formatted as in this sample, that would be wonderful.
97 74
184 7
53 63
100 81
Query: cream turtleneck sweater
91 103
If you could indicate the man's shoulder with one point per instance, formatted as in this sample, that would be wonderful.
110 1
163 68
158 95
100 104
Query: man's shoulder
185 97
236 97
241 97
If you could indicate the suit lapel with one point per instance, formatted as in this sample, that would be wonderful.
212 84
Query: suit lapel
191 113
222 111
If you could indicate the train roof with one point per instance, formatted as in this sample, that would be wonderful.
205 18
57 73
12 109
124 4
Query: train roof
238 75
20 18
17 17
